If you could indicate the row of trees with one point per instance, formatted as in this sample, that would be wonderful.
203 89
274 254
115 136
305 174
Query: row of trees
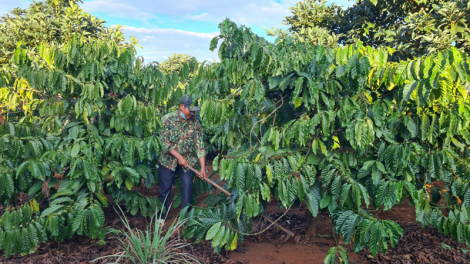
341 128
410 28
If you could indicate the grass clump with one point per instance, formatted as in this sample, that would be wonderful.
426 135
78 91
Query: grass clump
153 245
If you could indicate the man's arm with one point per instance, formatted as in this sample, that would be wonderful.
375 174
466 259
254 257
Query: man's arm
181 160
202 160
201 150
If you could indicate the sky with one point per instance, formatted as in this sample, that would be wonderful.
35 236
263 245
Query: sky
164 27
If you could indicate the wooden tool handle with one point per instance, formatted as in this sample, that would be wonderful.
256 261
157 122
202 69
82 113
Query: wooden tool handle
210 181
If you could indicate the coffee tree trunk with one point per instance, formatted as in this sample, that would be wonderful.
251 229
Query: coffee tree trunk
310 225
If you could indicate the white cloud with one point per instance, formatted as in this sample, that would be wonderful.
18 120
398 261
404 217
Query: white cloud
157 31
264 13
200 17
160 43
261 13
117 8
345 3
252 13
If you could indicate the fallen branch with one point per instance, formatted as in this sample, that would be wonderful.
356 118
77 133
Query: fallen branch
287 231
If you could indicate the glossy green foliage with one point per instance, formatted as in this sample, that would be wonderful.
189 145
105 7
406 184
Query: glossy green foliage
175 62
411 28
342 129
83 119
51 22
337 252
21 229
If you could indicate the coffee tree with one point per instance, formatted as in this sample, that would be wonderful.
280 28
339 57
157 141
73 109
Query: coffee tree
51 22
412 27
81 118
342 129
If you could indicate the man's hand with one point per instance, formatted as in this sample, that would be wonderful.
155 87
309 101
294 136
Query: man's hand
202 173
182 162
203 168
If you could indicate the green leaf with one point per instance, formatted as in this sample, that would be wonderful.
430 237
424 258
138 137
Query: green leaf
240 177
129 183
325 124
215 163
425 127
213 231
325 201
36 171
213 44
298 102
54 225
239 205
408 90
143 170
311 199
11 129
445 246
345 193
367 164
25 241
75 150
33 235
22 168
219 236
249 205
78 220
348 228
433 166
259 92
378 111
131 172
52 209
411 126
60 200
269 173
375 237
314 159
380 166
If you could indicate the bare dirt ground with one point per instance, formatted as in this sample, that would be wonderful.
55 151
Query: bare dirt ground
419 245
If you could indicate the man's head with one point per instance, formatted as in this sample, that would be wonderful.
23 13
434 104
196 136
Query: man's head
187 108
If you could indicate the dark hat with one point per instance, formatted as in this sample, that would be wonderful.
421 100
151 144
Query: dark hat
188 102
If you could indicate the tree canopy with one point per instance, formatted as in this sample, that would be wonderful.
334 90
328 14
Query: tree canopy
413 28
174 63
51 22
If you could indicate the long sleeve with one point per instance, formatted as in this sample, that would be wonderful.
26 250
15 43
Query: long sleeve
166 136
200 149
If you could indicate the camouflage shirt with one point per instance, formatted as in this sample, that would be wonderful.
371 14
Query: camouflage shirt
184 137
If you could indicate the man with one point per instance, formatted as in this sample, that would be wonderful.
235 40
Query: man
183 146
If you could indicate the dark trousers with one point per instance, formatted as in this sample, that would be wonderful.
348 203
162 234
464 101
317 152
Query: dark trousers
166 178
